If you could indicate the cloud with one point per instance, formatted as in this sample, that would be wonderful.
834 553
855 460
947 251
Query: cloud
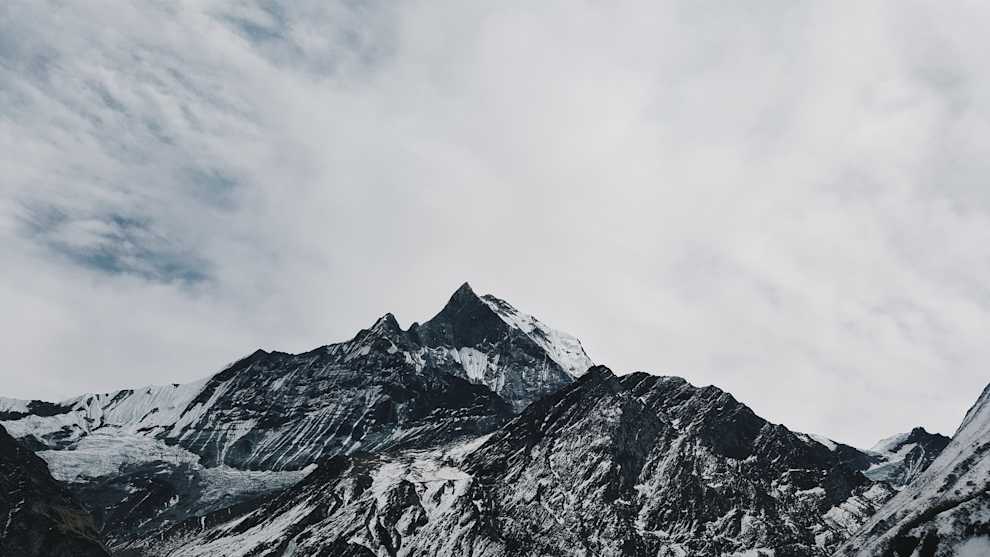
783 200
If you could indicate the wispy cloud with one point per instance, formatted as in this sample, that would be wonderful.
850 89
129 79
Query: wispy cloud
786 200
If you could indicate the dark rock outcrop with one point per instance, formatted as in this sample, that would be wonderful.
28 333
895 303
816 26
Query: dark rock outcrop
38 516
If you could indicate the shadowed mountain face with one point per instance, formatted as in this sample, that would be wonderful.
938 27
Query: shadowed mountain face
638 465
945 511
38 516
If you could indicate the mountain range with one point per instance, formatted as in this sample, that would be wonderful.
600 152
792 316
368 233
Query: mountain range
480 432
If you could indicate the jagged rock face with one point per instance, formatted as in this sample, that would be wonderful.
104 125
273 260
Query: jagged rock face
640 465
282 412
38 516
900 459
945 511
658 466
359 505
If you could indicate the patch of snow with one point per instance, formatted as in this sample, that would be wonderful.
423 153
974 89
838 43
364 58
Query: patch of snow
474 362
976 547
105 453
820 439
565 349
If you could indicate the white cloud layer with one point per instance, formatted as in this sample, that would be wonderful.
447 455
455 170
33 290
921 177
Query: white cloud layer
787 200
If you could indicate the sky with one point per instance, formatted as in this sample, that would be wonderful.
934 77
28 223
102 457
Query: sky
788 200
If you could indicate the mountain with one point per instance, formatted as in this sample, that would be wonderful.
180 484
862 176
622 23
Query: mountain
481 431
945 511
637 465
38 516
900 459
160 455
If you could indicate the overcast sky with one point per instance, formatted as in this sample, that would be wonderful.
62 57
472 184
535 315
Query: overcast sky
785 199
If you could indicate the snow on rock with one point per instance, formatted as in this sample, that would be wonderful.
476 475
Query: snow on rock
105 453
820 439
386 505
487 341
901 458
147 410
563 348
946 506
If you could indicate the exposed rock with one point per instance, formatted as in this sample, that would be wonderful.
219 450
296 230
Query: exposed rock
38 516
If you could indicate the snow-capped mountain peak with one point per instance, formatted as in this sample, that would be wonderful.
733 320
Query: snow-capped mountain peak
484 318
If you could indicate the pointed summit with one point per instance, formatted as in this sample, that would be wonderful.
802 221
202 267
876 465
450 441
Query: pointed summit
386 323
463 291
513 353
465 321
464 296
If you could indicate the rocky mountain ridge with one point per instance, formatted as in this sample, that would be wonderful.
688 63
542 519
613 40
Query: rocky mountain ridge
633 465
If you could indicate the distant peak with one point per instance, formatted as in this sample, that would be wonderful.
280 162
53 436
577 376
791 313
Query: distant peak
920 434
386 322
598 372
599 377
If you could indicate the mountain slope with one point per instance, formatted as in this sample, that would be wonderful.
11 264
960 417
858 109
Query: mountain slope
946 507
638 465
39 517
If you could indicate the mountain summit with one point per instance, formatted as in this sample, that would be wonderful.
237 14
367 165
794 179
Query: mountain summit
488 341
